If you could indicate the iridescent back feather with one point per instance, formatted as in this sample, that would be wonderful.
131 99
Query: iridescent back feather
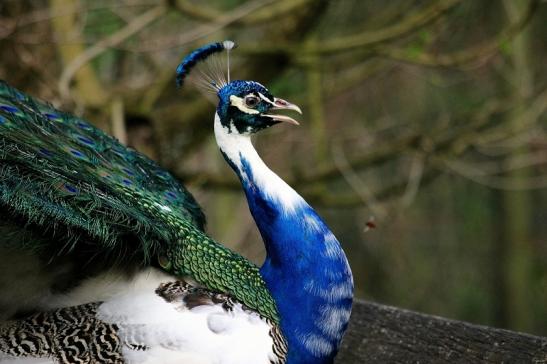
59 172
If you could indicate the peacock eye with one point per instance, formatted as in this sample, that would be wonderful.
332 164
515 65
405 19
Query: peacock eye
251 101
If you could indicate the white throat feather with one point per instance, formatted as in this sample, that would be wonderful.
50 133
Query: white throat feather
237 147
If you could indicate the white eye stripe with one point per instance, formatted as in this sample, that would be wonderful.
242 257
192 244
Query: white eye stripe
265 99
240 104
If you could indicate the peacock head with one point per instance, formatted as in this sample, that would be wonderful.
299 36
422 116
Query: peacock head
246 107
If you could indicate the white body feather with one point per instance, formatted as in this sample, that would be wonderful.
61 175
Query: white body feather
170 331
175 334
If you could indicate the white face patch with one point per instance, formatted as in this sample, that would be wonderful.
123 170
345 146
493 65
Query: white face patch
240 104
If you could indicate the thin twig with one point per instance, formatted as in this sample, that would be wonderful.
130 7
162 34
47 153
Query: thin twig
365 39
205 29
485 50
507 165
414 179
497 182
272 13
45 14
355 182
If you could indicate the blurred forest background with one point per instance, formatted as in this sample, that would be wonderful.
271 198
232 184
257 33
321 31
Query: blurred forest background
425 118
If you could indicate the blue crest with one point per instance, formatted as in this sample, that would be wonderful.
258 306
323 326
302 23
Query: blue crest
199 55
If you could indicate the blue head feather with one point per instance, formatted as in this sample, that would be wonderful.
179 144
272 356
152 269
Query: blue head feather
245 122
199 55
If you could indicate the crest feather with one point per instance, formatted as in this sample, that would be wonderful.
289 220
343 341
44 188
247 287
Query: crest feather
210 75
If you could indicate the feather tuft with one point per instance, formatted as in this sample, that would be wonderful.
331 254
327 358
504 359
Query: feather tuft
209 74
229 45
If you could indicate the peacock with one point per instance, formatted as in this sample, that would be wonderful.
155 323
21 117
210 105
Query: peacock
104 257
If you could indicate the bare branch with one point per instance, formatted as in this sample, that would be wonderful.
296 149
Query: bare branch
414 178
356 183
271 13
46 14
205 29
92 52
465 56
200 12
89 88
498 182
361 40
501 167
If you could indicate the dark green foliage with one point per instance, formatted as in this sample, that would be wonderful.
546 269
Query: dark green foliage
87 192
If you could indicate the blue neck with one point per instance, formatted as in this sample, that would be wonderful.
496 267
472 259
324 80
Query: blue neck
305 269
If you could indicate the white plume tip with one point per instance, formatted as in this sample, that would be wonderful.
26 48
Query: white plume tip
228 45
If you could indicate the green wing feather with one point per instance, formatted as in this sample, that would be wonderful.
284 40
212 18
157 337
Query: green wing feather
57 168
68 178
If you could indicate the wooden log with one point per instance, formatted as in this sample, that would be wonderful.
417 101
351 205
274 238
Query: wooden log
384 334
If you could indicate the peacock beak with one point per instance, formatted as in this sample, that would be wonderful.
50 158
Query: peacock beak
280 104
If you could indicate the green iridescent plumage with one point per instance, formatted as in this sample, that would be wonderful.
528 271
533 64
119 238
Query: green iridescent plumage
73 182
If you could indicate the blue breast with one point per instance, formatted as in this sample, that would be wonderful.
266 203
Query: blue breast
306 272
